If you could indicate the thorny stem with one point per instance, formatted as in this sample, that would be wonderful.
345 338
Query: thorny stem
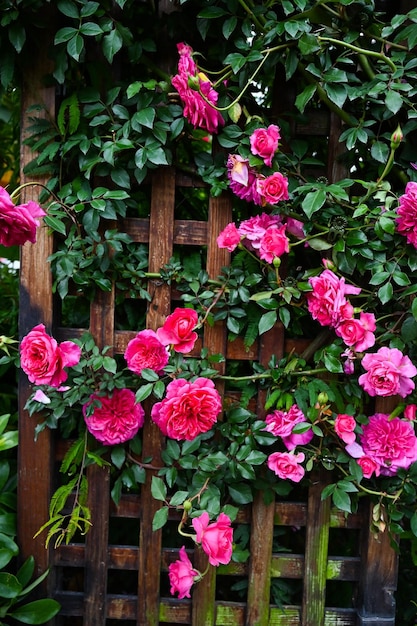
319 370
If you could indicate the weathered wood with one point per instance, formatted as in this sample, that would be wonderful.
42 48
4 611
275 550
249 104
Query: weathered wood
160 251
35 459
317 539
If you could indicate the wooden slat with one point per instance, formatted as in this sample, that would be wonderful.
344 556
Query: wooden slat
160 251
317 539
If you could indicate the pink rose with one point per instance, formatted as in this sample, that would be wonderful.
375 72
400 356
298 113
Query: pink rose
182 575
286 465
188 409
178 330
274 244
113 419
369 466
186 63
43 359
146 351
273 188
388 373
281 424
18 223
344 426
243 179
264 143
410 412
253 229
295 228
327 302
391 443
358 333
199 108
407 214
229 238
216 539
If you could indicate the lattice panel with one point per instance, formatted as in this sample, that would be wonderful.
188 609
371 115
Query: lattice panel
119 574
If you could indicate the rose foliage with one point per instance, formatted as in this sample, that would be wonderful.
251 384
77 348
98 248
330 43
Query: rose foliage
329 260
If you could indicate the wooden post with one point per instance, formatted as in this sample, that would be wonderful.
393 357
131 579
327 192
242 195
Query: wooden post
35 470
150 542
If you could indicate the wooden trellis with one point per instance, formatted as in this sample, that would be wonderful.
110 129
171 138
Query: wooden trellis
104 581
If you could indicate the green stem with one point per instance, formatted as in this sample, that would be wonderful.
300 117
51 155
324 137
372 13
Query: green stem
370 53
251 15
319 370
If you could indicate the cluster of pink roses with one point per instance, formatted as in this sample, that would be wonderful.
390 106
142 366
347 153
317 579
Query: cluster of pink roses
327 303
18 223
216 539
247 182
197 92
188 409
264 235
287 465
385 444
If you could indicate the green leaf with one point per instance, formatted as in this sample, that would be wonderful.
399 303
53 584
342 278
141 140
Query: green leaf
90 29
313 201
112 44
143 392
385 293
36 612
332 364
393 101
56 224
236 61
118 456
150 375
380 151
68 8
10 587
158 489
17 36
304 97
241 494
75 46
160 518
341 500
146 117
109 365
267 321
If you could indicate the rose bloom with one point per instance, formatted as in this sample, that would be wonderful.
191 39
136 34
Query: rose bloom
273 188
344 426
369 466
243 179
200 111
287 465
407 214
254 228
114 419
388 373
391 443
146 351
274 244
216 538
18 224
410 412
43 359
281 424
229 238
188 409
358 333
264 143
178 330
295 228
327 302
182 575
186 63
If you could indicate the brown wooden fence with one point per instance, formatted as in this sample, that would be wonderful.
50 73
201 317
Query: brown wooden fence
119 573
